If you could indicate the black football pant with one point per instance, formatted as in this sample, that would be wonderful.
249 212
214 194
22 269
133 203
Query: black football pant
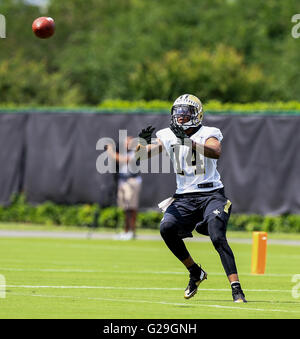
178 223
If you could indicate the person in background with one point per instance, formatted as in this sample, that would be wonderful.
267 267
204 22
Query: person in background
129 187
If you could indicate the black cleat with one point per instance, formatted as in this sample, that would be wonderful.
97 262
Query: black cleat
193 284
238 295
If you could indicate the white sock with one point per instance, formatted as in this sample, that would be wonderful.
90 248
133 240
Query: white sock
235 284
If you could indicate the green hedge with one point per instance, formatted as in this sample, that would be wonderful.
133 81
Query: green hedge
49 213
212 106
283 223
125 106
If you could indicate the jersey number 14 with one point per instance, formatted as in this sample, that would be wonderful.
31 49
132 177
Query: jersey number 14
193 160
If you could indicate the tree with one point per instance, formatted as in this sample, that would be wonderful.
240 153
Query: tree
221 73
31 84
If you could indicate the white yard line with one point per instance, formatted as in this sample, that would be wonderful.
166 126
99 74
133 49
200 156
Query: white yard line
136 288
159 302
75 270
57 270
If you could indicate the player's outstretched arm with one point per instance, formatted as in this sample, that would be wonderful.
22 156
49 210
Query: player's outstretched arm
147 146
148 151
211 148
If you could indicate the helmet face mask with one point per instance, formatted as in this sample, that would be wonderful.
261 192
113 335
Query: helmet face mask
187 106
185 112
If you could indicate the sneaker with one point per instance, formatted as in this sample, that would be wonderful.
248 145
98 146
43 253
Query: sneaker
193 284
125 236
119 236
238 295
129 236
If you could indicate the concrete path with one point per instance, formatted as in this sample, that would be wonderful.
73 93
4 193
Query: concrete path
97 235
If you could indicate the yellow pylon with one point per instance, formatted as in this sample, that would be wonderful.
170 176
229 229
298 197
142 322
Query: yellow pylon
259 252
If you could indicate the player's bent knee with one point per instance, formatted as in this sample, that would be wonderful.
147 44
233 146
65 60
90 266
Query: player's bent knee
219 242
217 233
167 228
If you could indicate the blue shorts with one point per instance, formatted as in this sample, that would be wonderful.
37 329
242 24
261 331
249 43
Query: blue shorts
193 211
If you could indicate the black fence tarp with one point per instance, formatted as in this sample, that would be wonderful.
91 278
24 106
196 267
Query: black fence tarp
12 155
52 156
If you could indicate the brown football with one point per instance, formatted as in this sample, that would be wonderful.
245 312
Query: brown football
43 27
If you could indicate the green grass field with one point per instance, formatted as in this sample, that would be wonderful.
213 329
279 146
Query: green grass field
109 279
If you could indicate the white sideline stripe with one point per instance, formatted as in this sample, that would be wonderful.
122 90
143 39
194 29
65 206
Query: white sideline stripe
95 287
156 302
62 270
74 270
136 288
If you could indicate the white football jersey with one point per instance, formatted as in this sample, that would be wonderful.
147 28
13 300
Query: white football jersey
192 168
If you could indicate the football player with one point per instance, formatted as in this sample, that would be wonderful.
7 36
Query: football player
199 202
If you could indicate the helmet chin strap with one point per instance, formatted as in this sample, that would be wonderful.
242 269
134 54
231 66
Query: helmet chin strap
185 127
